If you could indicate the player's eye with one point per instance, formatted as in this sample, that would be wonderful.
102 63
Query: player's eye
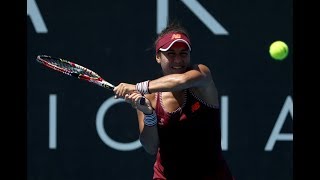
171 54
183 54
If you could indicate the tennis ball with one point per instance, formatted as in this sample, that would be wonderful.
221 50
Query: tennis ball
278 50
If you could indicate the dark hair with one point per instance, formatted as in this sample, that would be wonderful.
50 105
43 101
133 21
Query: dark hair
174 26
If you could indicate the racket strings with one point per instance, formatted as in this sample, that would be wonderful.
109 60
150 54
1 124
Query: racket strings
71 67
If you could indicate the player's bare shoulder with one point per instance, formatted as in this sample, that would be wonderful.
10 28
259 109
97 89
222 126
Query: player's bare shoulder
202 68
209 92
205 72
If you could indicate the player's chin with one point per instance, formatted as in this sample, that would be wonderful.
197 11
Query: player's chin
178 70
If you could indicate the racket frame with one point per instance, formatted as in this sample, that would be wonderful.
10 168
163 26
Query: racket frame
94 78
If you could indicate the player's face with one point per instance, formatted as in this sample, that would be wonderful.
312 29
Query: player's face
175 60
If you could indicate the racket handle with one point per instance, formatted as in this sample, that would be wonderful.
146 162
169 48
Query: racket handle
142 101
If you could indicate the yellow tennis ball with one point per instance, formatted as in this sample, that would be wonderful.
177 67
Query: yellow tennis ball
278 50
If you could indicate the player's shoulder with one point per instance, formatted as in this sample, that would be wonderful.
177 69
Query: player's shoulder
201 67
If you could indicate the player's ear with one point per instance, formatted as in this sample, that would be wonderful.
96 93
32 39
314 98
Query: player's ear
158 57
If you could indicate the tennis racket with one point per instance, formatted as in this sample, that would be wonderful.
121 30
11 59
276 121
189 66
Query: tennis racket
76 70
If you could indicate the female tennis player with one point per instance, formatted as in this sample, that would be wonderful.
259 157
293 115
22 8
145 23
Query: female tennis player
180 122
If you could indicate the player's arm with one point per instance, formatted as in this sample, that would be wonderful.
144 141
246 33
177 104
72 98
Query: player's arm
147 120
199 77
148 134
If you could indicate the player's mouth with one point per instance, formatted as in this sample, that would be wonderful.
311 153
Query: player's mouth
177 67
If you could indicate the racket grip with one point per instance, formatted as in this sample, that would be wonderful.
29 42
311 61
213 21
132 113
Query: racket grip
142 101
